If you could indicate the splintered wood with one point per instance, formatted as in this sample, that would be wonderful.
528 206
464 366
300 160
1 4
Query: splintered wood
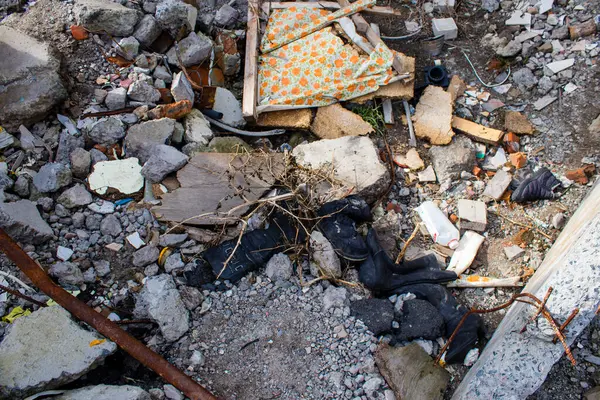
217 187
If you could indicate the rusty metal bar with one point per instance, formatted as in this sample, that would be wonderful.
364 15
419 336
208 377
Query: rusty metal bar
82 311
21 295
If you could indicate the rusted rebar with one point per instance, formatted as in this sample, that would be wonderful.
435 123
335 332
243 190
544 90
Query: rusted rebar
106 327
21 295
518 297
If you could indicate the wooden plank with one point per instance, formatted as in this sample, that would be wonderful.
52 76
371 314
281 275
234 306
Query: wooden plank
212 184
250 95
477 132
332 5
514 364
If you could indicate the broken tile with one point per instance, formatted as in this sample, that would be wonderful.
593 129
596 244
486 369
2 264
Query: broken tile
135 240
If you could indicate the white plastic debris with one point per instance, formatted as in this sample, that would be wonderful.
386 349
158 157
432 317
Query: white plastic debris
471 357
466 252
124 176
438 225
63 253
135 240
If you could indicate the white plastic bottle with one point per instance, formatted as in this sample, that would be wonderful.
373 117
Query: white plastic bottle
439 226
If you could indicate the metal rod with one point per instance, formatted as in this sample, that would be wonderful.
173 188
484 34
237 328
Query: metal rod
103 325
21 295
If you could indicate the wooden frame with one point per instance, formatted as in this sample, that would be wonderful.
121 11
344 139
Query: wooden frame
251 62
332 5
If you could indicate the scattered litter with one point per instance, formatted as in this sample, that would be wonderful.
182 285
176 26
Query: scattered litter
473 281
97 342
497 161
442 231
466 252
16 312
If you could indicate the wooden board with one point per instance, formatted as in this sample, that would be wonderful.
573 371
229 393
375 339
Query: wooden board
251 62
477 132
215 183
332 5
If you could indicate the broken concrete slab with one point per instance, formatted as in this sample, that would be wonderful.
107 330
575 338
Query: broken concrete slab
516 122
476 131
287 119
352 160
105 392
572 268
497 185
147 30
116 177
176 17
433 116
22 221
472 215
217 182
108 16
108 130
31 84
45 350
334 121
181 88
450 161
411 373
160 300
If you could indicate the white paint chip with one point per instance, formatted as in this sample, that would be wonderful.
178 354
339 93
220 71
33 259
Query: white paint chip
557 66
63 253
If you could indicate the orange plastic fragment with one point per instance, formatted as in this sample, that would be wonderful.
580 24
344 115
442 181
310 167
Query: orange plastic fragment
121 62
79 32
96 342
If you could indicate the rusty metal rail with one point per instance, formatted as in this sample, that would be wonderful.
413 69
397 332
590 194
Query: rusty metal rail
82 311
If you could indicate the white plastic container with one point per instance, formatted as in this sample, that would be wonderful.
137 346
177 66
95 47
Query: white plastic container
439 226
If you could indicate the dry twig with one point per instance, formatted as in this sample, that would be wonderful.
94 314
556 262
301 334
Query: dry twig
410 239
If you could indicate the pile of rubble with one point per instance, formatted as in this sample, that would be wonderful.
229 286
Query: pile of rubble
324 258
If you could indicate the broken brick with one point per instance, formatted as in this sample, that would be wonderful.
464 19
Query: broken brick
518 160
577 175
511 142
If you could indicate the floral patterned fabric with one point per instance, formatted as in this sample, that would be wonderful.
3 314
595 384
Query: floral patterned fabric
317 68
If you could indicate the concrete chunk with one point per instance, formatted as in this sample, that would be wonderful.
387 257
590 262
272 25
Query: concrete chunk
193 50
472 215
433 116
141 138
22 221
354 161
31 85
290 119
105 15
181 89
513 252
497 185
45 350
163 160
516 122
105 392
334 121
160 300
